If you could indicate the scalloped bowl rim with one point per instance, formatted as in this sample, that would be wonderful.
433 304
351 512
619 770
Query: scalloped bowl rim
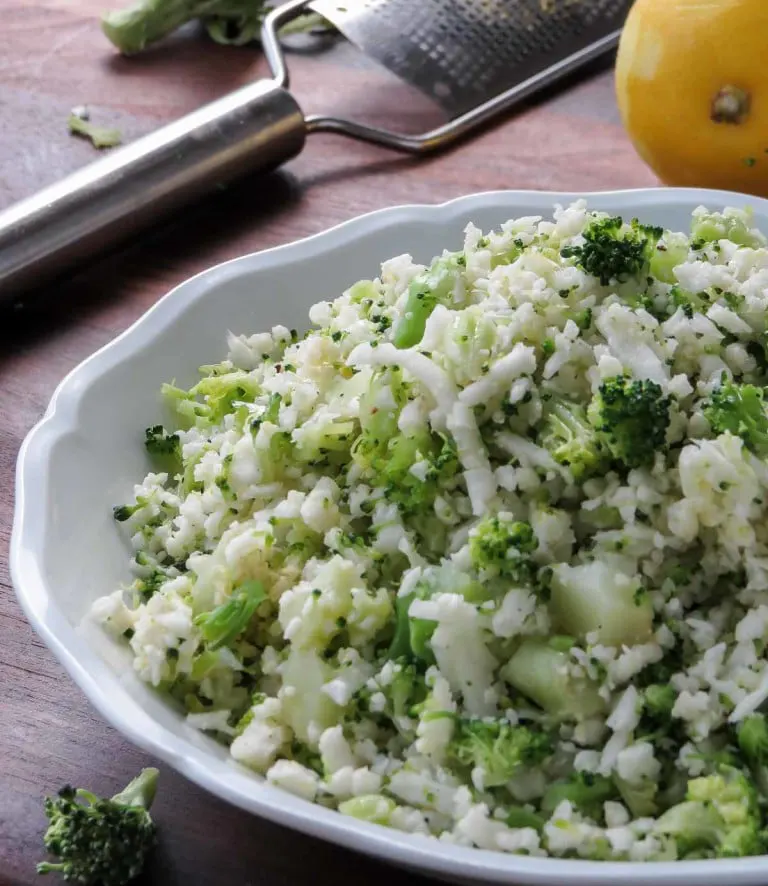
228 782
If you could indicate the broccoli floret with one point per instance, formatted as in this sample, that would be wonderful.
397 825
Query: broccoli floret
224 623
740 410
504 547
497 748
571 440
719 817
632 417
586 791
101 842
160 443
613 250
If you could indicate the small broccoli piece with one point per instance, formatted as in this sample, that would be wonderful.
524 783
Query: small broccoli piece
571 440
732 224
586 791
144 22
752 738
161 444
100 136
504 547
541 674
720 817
632 417
521 817
496 747
223 625
659 699
740 410
101 842
412 635
613 250
425 292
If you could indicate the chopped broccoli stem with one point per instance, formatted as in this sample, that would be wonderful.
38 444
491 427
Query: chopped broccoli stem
571 440
223 625
424 293
740 410
101 842
100 136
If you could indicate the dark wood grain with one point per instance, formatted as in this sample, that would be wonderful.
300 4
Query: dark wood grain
53 57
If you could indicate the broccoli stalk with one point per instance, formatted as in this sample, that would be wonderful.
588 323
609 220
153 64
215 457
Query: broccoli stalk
222 625
740 410
237 22
631 417
135 27
570 439
497 748
101 842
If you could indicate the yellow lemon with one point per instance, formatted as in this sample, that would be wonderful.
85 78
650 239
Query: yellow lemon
692 87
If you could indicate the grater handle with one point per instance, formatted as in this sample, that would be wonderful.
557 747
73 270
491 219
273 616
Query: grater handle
253 129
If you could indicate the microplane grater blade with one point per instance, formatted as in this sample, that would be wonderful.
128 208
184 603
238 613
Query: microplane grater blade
462 53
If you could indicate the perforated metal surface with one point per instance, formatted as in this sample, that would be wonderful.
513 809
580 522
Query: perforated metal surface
464 52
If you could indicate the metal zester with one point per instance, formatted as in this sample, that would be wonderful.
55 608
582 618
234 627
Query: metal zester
474 58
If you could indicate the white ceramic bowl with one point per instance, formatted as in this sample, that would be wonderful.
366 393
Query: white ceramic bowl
87 451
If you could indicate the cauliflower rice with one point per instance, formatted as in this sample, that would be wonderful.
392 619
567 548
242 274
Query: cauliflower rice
484 556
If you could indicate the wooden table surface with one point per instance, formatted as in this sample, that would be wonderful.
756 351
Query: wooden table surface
53 57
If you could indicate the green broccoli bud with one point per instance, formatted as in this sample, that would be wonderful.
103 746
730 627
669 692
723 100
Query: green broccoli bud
632 417
504 547
571 440
496 747
739 410
223 625
586 791
165 448
613 250
101 842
